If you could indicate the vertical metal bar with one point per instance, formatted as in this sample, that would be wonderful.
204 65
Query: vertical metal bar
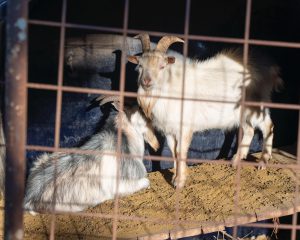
185 53
58 105
60 75
119 138
296 200
245 63
15 119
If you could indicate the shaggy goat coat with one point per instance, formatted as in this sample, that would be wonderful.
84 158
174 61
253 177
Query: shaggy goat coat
206 96
73 182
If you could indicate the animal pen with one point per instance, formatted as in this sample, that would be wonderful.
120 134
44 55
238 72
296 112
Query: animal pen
60 55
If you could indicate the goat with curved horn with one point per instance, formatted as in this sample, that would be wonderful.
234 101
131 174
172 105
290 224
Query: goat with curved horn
165 42
217 78
145 40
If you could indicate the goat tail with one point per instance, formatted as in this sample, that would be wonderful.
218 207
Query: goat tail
2 158
277 81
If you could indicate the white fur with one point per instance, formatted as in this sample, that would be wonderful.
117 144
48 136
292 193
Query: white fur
74 182
217 79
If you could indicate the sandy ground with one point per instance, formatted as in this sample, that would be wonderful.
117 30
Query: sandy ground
207 200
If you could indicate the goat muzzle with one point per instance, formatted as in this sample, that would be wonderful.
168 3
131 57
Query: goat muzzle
147 82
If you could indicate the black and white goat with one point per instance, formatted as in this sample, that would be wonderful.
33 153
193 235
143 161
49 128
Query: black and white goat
73 182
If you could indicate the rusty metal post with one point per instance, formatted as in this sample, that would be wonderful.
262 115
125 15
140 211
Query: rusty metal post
15 119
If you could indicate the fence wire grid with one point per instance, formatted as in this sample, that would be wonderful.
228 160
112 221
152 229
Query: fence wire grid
16 86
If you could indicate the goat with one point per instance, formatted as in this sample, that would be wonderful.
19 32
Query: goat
73 182
215 80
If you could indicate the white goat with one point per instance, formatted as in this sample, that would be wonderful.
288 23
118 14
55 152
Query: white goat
74 182
215 80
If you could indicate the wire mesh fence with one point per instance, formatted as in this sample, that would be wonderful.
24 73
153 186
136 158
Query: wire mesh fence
17 86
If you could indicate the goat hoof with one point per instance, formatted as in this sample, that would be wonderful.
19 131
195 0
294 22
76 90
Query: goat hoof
237 158
144 183
234 164
261 165
265 157
178 182
33 213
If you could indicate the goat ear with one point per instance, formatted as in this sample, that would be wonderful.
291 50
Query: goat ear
171 60
133 59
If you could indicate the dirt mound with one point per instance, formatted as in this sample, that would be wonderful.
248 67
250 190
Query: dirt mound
206 204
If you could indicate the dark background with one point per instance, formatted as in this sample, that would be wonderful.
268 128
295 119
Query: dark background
270 20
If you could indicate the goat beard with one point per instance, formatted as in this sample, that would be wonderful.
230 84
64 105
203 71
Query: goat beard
147 103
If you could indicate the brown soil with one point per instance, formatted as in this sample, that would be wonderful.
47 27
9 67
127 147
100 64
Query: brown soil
206 204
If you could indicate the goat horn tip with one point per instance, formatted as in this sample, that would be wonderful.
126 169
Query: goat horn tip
139 35
99 98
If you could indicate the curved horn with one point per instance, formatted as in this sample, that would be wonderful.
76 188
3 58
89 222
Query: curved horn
105 99
145 39
165 42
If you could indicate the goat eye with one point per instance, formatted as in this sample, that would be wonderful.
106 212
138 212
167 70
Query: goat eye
161 67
